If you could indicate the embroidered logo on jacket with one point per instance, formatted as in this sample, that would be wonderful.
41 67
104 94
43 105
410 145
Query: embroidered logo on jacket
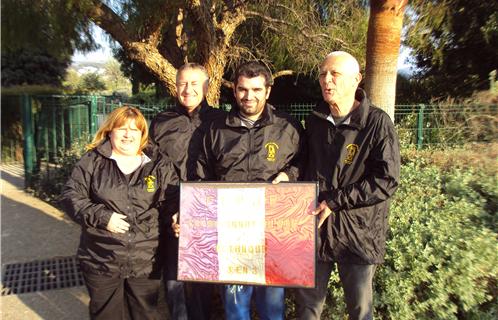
352 149
271 148
149 181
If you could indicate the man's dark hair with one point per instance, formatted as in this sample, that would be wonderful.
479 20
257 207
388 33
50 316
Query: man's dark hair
253 69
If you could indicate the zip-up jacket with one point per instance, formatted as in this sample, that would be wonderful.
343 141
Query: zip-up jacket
235 153
357 166
97 188
179 135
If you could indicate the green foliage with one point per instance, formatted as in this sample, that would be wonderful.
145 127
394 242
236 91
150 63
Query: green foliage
148 96
91 82
442 252
114 78
48 25
32 67
11 128
38 39
49 182
442 256
31 90
303 32
110 82
454 43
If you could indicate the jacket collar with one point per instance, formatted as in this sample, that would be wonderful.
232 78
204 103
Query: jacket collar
358 117
267 117
198 112
201 108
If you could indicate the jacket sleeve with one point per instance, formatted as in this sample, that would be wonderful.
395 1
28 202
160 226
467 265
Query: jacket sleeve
380 180
204 169
153 130
295 168
170 191
76 196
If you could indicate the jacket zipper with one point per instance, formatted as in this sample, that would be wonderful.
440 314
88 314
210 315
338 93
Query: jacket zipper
128 234
249 175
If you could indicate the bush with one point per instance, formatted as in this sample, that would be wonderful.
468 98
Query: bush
49 182
442 253
442 256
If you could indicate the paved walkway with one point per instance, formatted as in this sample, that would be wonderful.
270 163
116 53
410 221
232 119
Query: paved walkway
34 230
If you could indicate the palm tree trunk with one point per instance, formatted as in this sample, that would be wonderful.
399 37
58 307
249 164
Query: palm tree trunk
383 42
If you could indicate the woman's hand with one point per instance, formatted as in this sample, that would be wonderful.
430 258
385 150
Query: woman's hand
117 223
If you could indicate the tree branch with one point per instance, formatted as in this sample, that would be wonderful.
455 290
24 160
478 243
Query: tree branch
153 31
144 52
105 18
282 73
227 84
203 25
272 21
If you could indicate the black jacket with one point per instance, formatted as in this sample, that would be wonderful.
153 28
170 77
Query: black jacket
232 152
97 188
357 166
179 136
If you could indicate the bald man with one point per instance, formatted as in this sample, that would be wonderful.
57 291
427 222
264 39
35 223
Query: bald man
354 155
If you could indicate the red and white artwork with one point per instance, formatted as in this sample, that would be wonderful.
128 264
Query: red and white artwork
248 233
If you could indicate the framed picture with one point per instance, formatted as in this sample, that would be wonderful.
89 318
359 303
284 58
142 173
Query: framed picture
248 233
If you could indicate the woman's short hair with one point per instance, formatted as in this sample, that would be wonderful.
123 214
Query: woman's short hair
117 118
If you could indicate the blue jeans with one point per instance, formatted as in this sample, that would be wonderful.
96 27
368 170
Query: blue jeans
269 302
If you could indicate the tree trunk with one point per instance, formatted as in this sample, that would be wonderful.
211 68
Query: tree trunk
215 66
383 42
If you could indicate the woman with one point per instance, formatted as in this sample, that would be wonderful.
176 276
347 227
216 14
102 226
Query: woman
121 192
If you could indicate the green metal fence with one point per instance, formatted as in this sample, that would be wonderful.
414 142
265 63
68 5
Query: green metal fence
446 125
54 124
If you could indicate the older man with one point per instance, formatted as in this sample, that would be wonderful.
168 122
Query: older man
354 155
254 142
178 132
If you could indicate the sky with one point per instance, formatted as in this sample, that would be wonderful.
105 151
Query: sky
101 55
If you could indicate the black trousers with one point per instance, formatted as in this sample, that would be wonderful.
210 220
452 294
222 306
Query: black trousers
187 300
117 298
356 281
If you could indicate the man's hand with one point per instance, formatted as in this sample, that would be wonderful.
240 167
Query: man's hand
323 211
175 226
281 177
117 223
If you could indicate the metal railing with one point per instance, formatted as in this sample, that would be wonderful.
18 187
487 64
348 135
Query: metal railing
55 124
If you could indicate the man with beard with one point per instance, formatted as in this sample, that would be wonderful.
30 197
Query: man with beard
254 142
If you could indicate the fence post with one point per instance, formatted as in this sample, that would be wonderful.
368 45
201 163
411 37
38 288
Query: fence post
92 116
420 126
29 139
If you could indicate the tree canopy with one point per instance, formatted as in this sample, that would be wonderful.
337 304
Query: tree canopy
162 35
455 44
38 40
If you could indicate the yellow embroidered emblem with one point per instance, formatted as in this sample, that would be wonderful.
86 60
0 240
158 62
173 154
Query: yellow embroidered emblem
352 149
151 186
271 148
